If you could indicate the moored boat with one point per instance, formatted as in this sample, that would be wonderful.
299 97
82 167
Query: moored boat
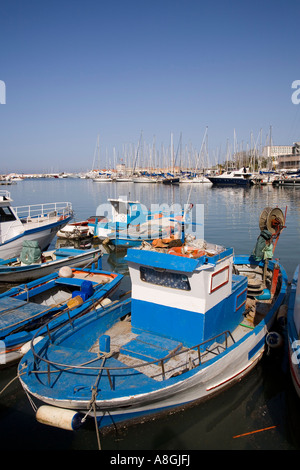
287 180
76 230
144 179
118 214
293 330
123 219
146 232
33 263
198 321
232 178
195 180
60 296
102 179
39 222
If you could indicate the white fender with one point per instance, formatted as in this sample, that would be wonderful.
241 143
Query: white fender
58 417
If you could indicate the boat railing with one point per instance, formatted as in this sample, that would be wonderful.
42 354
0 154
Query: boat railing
14 225
40 212
210 346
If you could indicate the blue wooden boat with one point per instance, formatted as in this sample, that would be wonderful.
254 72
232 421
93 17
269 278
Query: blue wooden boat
61 296
197 324
129 223
33 263
147 232
293 330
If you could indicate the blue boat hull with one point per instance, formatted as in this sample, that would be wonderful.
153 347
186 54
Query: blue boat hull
229 181
11 272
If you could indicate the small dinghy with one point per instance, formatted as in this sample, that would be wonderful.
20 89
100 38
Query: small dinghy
61 296
33 264
193 331
76 230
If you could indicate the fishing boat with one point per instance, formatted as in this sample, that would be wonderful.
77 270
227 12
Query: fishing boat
61 296
232 178
39 222
120 213
264 178
198 321
162 228
293 330
33 263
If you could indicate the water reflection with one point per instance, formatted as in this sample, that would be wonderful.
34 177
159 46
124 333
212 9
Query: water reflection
265 398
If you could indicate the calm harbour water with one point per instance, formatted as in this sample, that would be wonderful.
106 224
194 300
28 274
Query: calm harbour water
264 399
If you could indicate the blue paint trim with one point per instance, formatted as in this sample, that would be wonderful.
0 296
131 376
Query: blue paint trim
173 262
257 347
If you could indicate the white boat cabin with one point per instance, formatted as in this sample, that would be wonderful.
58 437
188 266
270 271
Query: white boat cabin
189 300
118 214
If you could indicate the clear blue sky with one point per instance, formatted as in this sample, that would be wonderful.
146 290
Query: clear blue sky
76 68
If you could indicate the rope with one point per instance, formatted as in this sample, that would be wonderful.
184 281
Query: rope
94 393
7 385
37 314
34 407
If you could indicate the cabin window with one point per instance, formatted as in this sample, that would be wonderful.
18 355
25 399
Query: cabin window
6 214
219 279
164 278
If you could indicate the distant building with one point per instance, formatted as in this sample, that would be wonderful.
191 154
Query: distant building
290 160
274 151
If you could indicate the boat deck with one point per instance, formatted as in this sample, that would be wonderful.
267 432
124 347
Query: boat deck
14 311
133 360
148 353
